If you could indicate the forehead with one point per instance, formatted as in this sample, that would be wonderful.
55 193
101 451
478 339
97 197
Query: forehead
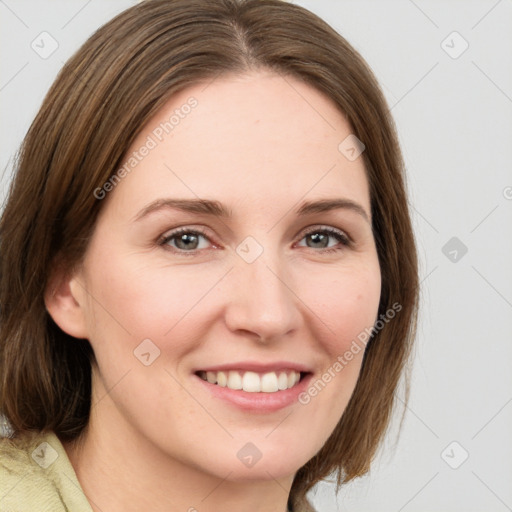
262 138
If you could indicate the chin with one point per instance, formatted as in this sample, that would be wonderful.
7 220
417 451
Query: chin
268 461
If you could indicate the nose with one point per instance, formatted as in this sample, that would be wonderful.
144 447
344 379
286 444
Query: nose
261 299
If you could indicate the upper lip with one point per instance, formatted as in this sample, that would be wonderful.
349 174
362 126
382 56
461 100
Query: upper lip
252 366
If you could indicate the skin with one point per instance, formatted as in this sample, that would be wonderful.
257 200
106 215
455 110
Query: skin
261 145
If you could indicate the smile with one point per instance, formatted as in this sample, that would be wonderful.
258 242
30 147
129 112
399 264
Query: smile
252 382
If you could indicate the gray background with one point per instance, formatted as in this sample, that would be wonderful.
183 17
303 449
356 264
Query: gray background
453 110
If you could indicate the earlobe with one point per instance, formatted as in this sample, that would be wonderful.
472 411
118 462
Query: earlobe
64 303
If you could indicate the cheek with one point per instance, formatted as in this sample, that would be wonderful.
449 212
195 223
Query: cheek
133 302
157 302
347 304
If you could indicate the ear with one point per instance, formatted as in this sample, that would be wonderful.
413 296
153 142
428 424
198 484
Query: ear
64 300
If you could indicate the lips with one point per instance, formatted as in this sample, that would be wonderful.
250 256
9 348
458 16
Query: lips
254 377
255 387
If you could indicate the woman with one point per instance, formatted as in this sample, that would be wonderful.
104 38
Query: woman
208 273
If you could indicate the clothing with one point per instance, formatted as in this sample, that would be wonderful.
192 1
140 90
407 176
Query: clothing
36 475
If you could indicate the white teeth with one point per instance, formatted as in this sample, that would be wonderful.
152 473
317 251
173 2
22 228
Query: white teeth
234 380
282 382
222 380
253 382
269 383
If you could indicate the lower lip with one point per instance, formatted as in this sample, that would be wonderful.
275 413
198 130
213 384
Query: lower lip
257 402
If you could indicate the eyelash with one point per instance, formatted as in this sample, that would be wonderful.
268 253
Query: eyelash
342 238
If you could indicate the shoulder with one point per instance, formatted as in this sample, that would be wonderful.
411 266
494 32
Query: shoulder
35 474
18 469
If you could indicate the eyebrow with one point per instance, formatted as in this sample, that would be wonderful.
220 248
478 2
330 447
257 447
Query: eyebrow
217 209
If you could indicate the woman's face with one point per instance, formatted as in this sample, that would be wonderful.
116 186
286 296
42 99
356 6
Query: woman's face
171 296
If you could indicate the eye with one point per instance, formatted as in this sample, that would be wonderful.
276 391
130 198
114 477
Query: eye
185 240
320 239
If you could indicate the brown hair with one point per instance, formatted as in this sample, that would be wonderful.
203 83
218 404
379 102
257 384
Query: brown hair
124 73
